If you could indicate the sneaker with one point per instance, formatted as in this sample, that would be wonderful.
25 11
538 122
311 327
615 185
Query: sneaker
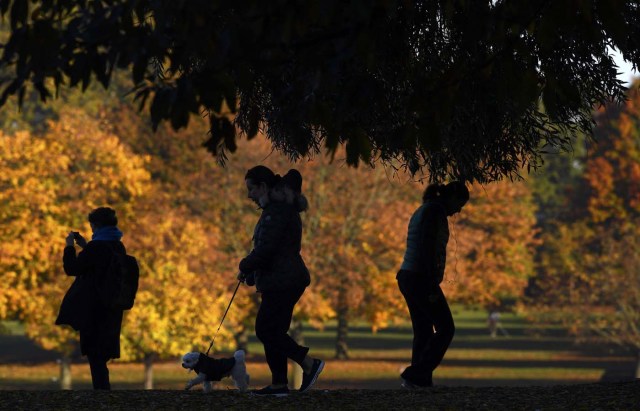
239 372
309 379
274 392
408 385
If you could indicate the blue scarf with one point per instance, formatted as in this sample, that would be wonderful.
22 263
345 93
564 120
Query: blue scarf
108 233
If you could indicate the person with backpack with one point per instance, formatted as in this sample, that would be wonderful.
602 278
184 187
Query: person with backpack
280 275
91 306
419 280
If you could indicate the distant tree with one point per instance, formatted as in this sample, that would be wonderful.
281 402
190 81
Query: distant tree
451 86
181 295
589 278
491 247
354 242
47 189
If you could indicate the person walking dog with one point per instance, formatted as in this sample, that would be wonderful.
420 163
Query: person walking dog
280 275
419 280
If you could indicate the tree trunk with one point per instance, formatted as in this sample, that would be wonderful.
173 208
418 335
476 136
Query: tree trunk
295 376
65 372
638 366
148 371
242 340
342 349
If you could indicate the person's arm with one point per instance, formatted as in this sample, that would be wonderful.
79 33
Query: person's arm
272 230
76 265
431 228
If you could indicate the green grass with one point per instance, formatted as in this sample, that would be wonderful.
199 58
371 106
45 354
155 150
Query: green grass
527 356
11 328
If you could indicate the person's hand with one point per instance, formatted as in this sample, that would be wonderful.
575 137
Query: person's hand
80 240
241 276
70 239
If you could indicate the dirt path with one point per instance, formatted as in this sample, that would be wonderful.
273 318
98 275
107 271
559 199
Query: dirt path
600 396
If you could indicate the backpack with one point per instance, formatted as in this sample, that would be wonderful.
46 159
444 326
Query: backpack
118 286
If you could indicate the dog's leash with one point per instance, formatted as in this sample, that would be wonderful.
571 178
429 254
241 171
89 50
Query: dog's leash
223 316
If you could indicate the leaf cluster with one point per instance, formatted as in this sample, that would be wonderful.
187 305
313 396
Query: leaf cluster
587 266
463 89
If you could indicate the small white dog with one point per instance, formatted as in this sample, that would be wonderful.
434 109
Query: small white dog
212 369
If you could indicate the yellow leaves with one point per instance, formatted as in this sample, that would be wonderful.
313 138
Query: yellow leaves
48 184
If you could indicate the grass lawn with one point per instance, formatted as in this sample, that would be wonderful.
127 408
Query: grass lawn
528 355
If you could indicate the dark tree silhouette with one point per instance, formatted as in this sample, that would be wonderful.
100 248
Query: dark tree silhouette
467 89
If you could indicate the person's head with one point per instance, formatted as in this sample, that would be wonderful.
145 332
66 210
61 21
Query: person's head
260 180
453 196
102 217
289 187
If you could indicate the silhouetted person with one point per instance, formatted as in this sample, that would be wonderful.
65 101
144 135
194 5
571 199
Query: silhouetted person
420 276
280 275
81 307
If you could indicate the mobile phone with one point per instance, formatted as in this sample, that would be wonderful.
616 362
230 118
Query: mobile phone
76 235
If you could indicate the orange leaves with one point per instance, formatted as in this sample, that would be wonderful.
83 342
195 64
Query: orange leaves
613 168
49 182
490 251
589 263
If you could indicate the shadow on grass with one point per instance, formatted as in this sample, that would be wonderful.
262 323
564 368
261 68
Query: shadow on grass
18 349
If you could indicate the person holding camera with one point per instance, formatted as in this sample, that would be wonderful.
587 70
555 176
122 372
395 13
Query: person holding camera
81 308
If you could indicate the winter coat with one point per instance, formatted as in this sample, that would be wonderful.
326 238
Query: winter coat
427 238
275 260
99 326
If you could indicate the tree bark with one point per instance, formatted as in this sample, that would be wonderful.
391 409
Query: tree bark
148 371
295 375
342 348
65 372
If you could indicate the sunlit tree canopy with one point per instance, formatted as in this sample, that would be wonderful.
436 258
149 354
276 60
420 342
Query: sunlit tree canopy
451 88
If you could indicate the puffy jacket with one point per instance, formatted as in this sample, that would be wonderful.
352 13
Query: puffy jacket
275 260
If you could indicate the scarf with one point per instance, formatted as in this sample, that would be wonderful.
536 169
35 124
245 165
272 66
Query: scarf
108 233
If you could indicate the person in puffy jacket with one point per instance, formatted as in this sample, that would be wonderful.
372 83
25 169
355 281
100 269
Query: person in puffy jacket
419 280
280 276
99 326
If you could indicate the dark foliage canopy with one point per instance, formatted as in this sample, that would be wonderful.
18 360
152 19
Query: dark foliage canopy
454 88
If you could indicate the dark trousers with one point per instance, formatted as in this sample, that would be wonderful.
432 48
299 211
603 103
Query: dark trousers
99 372
272 324
432 323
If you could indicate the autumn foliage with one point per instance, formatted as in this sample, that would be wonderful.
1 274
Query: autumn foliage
588 276
189 222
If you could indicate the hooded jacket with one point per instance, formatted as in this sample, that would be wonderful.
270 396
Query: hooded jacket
275 260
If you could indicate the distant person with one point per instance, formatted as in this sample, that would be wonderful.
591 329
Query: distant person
419 280
280 275
81 307
494 324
